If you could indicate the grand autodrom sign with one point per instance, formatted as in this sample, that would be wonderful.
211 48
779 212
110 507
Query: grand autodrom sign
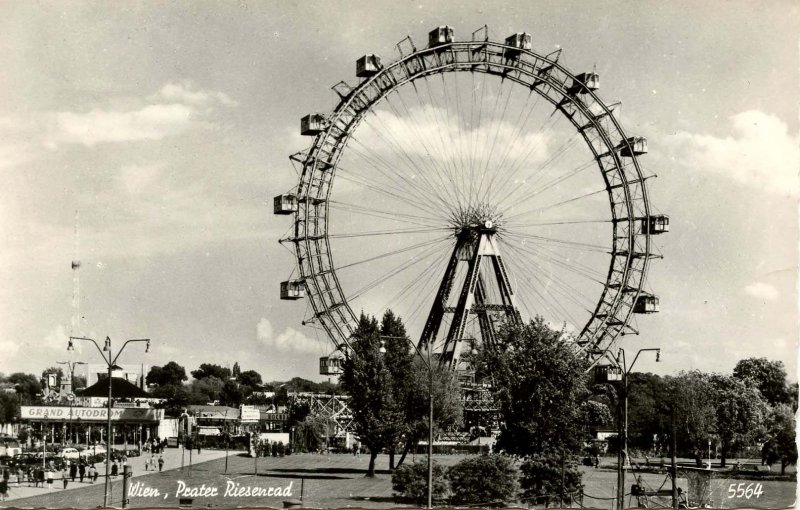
53 413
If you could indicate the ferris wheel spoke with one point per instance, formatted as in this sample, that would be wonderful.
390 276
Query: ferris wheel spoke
420 166
431 163
559 286
421 221
538 174
404 154
394 272
557 204
532 283
426 276
499 125
387 232
554 240
448 157
392 192
574 267
394 252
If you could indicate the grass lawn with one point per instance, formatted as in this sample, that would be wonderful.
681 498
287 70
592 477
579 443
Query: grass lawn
336 481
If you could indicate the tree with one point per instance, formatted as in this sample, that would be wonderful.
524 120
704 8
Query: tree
236 370
545 475
483 480
28 386
250 378
211 370
78 382
740 412
781 443
169 374
540 385
690 397
411 482
377 416
768 376
231 394
206 389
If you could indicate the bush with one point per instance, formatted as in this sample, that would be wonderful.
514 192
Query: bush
541 478
411 481
485 480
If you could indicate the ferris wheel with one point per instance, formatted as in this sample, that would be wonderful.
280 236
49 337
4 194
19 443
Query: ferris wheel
465 184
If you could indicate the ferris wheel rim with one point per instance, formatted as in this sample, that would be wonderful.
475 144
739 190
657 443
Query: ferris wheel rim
603 332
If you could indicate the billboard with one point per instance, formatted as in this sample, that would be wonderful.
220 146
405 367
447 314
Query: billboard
56 413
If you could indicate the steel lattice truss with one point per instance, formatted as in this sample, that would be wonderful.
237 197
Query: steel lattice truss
569 95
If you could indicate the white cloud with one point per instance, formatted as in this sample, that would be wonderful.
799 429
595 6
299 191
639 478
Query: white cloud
762 291
289 340
760 153
174 109
151 122
182 93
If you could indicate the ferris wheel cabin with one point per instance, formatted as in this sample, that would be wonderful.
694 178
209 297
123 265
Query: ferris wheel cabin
293 289
519 41
312 124
657 224
440 35
646 303
331 365
633 146
607 373
368 65
584 83
285 204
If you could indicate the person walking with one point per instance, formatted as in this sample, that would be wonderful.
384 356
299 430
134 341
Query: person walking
198 446
114 469
73 471
65 476
3 489
81 470
160 463
94 473
20 476
49 476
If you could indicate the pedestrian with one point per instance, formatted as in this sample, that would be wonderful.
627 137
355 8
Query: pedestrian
198 446
82 470
160 463
355 450
49 476
20 476
40 477
92 474
31 476
114 469
3 490
73 471
65 476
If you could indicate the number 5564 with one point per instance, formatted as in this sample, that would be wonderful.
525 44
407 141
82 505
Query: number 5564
740 491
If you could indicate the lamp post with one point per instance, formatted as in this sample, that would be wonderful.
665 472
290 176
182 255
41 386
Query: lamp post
622 457
110 362
427 361
71 395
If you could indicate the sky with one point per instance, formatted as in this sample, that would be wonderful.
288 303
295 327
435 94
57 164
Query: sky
167 126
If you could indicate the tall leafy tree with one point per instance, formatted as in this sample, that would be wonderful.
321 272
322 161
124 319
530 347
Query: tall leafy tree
740 414
689 398
170 374
768 376
781 442
377 416
541 386
28 386
211 370
250 378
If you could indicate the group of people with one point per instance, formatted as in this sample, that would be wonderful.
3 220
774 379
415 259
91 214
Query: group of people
81 469
155 445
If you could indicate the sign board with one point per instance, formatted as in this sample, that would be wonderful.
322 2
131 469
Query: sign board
55 413
249 414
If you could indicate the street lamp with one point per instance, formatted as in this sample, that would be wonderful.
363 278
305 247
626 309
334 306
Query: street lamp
110 362
622 456
427 361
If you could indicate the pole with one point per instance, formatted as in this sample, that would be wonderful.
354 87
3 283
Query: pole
674 465
430 437
108 434
126 477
